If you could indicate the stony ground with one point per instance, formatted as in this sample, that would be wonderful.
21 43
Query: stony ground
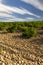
20 51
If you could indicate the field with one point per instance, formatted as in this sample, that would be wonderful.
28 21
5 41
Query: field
21 43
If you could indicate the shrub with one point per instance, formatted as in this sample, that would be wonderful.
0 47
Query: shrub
29 32
1 28
22 28
11 29
28 24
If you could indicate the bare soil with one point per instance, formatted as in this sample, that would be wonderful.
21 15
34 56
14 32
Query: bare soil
20 51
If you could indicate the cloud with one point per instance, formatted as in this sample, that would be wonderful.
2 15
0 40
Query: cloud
5 15
35 3
7 11
10 19
15 10
19 19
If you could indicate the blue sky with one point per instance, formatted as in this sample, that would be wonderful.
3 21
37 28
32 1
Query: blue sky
21 10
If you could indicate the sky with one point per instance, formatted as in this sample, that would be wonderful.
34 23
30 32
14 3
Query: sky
21 10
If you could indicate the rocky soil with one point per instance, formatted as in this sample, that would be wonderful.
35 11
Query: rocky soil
16 50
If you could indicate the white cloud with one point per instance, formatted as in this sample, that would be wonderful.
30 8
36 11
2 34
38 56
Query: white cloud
35 3
5 15
6 11
16 19
27 12
15 10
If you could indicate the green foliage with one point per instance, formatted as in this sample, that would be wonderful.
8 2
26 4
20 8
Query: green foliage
11 29
21 26
29 32
1 28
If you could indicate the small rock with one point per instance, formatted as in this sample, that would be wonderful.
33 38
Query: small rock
19 62
3 63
